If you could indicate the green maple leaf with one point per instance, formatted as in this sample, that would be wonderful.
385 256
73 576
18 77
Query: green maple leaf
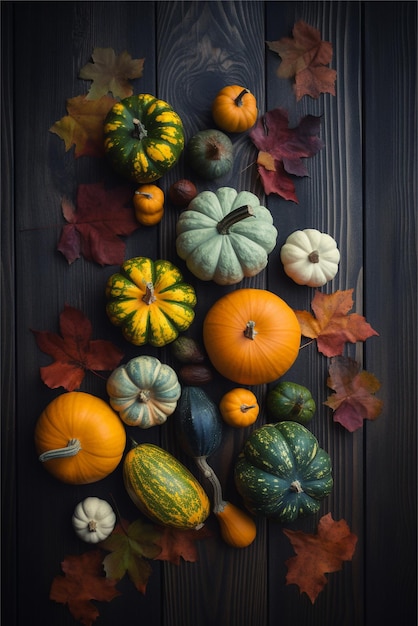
130 548
111 73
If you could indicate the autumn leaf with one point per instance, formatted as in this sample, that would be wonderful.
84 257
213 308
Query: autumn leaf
74 352
94 224
333 326
282 150
131 546
83 126
320 554
83 581
354 399
111 73
180 544
305 57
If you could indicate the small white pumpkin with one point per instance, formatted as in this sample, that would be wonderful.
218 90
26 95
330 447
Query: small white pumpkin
93 519
310 257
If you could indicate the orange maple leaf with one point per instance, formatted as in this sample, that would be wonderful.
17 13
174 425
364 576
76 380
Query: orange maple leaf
317 555
353 400
332 325
177 544
83 126
111 73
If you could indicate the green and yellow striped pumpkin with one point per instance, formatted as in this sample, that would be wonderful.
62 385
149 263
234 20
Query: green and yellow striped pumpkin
143 137
163 488
149 301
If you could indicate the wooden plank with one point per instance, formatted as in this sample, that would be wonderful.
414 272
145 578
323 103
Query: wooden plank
390 180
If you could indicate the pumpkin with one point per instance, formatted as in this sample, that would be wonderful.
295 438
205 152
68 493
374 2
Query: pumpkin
149 205
144 391
282 473
251 336
234 109
163 489
210 153
310 257
93 519
239 407
143 137
149 301
79 438
225 236
290 401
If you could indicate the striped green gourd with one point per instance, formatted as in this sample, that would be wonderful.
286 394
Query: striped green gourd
282 473
164 489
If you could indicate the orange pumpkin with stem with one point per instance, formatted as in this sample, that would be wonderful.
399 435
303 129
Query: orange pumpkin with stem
239 407
149 204
234 109
251 336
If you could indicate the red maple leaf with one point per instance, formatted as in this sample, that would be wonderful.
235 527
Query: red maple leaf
354 399
74 352
317 555
83 581
94 224
177 544
282 150
333 325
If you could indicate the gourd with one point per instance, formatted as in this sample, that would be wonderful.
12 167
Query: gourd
163 489
239 407
251 336
79 439
93 519
199 431
143 137
290 401
149 205
310 257
144 391
210 153
234 109
282 473
225 235
149 301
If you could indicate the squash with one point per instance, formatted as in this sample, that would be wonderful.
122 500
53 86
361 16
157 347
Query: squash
210 154
149 205
290 401
238 529
310 257
225 236
251 336
163 489
282 473
239 407
143 137
79 439
144 391
234 109
93 519
149 301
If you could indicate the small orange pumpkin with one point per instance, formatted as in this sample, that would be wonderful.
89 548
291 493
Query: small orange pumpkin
251 336
239 407
149 204
234 109
79 438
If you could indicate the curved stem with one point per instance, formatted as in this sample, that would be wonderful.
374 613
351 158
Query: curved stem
233 217
238 100
149 296
71 449
139 131
144 193
218 502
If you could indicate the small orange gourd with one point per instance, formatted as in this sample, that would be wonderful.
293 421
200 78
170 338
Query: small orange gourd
234 109
239 407
79 438
149 204
237 528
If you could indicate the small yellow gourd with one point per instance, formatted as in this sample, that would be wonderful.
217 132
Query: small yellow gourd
149 204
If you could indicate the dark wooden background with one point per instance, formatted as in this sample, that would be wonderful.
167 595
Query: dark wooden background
362 189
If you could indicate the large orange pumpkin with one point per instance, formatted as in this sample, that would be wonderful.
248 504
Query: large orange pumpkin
251 336
79 438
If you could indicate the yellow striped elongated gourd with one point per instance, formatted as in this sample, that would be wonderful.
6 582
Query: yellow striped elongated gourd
163 488
143 137
149 301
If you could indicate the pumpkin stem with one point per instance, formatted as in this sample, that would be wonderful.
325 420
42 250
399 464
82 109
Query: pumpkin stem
139 131
238 100
233 217
149 296
218 502
92 526
296 487
144 193
71 449
246 407
314 256
250 331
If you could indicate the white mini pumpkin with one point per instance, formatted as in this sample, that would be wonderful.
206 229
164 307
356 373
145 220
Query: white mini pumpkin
310 257
93 519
